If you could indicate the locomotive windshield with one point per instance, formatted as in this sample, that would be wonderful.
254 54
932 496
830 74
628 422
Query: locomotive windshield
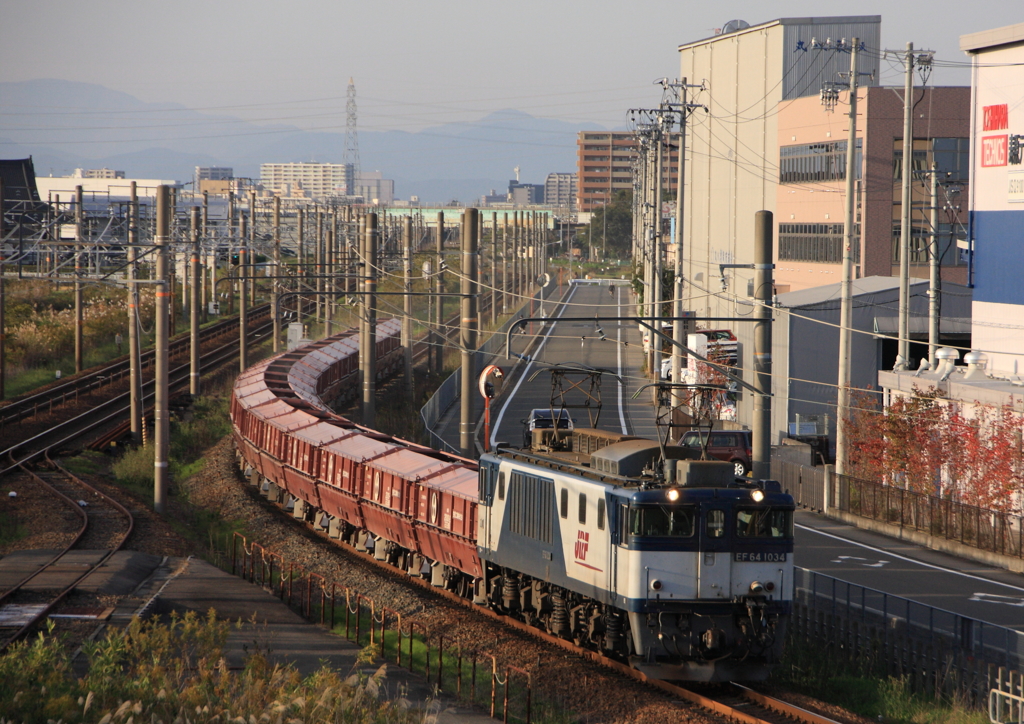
764 523
662 521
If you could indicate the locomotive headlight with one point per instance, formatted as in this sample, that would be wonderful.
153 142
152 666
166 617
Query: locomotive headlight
655 585
757 495
756 587
673 495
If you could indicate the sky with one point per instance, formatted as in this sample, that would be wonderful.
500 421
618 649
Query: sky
419 64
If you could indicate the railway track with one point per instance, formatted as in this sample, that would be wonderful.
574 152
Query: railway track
109 415
55 396
732 701
50 582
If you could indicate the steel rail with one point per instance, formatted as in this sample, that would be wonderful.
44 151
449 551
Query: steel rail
114 407
705 702
23 408
71 587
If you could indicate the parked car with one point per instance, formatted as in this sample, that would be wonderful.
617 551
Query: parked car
733 446
540 419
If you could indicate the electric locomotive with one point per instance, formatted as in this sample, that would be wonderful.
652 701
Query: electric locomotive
676 566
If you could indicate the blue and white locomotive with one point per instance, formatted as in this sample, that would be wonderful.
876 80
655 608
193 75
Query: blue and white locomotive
679 568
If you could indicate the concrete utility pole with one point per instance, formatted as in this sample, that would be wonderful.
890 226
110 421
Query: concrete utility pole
846 301
193 375
212 256
318 262
935 282
231 246
905 228
161 414
252 248
763 293
505 289
368 347
677 285
275 305
437 336
494 267
79 240
243 299
659 257
3 301
407 310
467 342
134 362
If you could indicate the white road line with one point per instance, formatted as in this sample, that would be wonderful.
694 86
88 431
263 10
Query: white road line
618 356
890 554
526 372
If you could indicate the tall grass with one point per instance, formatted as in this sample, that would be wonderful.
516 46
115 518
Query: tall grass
817 672
178 672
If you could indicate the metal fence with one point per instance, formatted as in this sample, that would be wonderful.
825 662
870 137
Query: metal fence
988 530
820 489
473 675
804 483
936 651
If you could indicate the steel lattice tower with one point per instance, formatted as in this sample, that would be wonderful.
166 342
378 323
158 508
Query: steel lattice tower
351 134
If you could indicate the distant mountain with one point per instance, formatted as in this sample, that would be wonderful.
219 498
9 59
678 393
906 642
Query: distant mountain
65 125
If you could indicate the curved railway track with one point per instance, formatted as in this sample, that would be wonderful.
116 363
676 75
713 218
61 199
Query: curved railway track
105 526
733 701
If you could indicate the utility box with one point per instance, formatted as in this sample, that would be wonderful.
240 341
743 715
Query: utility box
297 335
214 308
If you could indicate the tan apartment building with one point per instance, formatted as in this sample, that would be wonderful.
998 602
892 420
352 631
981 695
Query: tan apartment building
733 154
604 165
811 190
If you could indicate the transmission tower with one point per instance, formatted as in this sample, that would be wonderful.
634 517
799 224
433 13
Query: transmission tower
351 134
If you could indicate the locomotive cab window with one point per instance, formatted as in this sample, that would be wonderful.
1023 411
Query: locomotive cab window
583 508
714 527
600 513
662 521
564 503
501 486
764 523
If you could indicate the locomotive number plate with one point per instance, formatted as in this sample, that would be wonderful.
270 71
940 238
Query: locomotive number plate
759 557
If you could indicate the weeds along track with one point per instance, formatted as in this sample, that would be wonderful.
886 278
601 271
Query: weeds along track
51 579
29 414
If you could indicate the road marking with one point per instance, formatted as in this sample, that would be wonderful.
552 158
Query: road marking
859 561
996 598
911 560
618 356
526 372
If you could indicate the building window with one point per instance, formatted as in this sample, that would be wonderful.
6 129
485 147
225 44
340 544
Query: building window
815 162
950 253
951 156
815 242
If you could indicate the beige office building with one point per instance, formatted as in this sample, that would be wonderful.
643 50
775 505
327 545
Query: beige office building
733 162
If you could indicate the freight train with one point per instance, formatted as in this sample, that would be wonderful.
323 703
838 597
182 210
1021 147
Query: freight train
614 542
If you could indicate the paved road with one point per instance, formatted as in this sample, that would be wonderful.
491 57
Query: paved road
823 545
971 589
580 342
